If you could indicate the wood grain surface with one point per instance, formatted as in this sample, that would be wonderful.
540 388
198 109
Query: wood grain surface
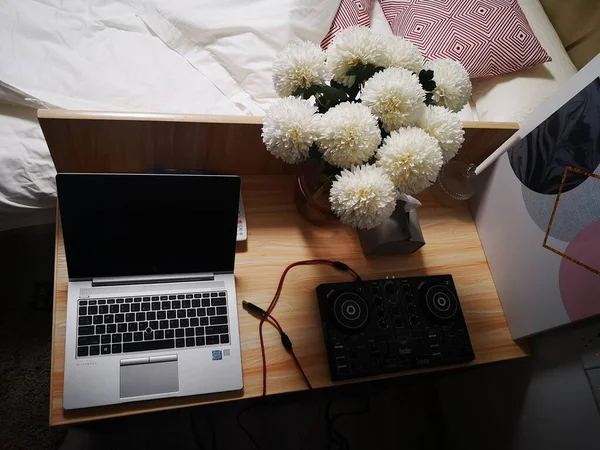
82 141
278 236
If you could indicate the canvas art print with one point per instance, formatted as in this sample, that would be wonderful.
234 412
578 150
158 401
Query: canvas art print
538 212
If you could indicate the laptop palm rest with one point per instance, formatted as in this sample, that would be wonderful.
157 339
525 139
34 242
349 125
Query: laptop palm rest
149 376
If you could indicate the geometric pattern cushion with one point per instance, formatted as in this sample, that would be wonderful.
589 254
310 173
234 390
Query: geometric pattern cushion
489 37
350 13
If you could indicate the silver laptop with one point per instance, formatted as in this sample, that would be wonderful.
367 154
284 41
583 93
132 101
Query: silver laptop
151 307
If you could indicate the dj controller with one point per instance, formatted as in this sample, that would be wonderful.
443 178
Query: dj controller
392 325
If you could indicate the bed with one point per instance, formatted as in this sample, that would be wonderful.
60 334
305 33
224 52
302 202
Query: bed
160 56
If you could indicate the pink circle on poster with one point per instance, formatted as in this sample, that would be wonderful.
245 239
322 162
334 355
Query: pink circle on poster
580 286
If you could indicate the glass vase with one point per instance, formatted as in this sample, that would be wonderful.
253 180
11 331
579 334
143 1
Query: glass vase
312 195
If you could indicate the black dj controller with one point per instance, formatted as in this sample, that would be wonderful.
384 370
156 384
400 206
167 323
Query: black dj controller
384 326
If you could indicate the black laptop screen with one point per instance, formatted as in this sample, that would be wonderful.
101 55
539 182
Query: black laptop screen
125 225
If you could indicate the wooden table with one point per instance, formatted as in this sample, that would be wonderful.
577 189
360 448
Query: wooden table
277 236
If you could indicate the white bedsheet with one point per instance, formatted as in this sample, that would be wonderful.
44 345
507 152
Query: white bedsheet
27 186
100 54
190 56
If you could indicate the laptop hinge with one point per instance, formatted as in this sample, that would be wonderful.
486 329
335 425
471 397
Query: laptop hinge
152 279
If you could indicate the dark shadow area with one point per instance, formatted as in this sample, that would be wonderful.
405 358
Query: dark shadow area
538 402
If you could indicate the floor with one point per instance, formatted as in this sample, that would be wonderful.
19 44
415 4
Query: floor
27 260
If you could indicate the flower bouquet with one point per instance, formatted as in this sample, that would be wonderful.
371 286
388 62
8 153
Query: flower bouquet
370 116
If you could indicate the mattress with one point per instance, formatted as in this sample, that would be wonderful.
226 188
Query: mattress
188 56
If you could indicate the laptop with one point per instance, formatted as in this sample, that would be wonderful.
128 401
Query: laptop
151 309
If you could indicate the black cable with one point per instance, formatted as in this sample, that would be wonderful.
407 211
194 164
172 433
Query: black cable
312 427
213 434
241 425
211 425
195 431
332 433
271 402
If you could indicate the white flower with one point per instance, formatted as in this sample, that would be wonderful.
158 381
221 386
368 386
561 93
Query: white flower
290 127
300 65
363 197
445 126
353 46
395 96
402 53
411 158
453 87
348 135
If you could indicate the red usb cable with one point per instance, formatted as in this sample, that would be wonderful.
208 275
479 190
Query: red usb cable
266 316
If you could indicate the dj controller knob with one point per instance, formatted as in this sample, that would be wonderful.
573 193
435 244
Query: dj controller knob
390 288
440 302
350 311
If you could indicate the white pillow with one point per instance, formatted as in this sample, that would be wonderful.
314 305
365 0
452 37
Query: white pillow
512 97
235 42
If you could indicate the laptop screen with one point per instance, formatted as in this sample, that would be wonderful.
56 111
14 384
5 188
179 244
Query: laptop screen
125 225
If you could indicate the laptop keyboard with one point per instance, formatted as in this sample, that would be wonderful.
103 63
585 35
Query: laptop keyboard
134 324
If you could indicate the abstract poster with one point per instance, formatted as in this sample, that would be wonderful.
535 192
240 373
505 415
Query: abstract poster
558 164
538 212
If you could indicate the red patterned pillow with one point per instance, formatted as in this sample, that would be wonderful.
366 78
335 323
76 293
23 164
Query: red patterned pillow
489 37
349 14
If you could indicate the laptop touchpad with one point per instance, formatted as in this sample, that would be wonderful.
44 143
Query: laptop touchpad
149 379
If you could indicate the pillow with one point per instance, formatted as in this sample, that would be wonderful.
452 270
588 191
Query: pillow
235 42
489 37
350 13
514 96
361 12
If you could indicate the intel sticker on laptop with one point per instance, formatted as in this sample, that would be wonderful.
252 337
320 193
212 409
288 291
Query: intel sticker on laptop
217 355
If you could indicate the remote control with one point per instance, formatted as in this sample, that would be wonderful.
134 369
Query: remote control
242 232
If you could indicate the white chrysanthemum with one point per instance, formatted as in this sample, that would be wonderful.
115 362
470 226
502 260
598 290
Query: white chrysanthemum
445 126
290 127
411 158
363 197
348 135
353 46
395 96
402 53
453 86
300 65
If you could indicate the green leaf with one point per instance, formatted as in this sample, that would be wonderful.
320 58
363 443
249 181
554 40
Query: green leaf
368 71
425 75
355 70
331 170
384 133
328 97
351 91
426 80
306 93
363 72
314 154
429 99
337 85
332 96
